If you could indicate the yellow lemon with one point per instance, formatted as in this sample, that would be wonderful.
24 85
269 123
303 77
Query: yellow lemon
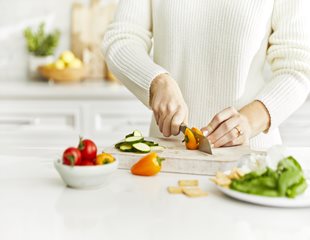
67 57
59 64
75 63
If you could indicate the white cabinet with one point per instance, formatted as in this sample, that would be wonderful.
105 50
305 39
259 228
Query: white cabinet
115 119
28 117
38 122
55 116
58 121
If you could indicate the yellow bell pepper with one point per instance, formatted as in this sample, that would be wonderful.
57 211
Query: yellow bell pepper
104 158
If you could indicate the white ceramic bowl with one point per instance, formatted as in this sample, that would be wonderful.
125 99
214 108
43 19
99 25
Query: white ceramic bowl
85 176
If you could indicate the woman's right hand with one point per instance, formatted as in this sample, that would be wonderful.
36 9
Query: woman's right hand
168 105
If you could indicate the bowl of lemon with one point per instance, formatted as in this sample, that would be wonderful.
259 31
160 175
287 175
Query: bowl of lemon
66 69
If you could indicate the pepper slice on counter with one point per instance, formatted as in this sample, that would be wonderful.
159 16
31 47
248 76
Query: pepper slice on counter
191 142
149 165
104 158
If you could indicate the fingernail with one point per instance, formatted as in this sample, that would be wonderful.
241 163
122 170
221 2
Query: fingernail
205 133
212 145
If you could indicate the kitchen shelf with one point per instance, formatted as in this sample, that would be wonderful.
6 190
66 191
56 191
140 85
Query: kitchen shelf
48 90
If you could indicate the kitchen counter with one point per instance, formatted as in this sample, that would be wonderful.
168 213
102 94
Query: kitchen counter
35 204
49 90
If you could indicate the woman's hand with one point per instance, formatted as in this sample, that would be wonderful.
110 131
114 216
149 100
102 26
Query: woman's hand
231 127
168 105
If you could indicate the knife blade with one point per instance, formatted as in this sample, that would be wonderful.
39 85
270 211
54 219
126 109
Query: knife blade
204 144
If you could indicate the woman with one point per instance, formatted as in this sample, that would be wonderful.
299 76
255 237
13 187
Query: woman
209 65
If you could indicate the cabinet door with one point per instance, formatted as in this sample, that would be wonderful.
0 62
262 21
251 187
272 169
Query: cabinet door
295 131
110 121
38 123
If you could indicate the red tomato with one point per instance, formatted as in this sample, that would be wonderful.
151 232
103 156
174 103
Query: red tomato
72 156
87 163
88 149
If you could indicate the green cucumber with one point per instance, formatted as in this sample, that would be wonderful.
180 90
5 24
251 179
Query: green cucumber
134 139
125 147
117 145
157 148
141 147
150 143
137 133
134 142
129 135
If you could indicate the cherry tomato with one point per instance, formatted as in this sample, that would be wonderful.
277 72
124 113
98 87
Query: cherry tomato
88 149
72 156
87 163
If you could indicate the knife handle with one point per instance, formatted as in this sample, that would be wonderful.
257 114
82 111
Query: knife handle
183 127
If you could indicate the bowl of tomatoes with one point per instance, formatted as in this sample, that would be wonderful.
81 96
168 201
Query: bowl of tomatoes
81 166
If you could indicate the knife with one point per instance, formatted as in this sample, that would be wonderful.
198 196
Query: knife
204 144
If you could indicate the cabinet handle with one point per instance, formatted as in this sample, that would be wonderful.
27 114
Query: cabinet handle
130 122
19 122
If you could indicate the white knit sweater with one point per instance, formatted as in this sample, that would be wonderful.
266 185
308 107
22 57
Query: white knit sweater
216 50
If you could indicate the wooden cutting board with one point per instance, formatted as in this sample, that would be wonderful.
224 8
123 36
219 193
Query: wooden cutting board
180 160
88 25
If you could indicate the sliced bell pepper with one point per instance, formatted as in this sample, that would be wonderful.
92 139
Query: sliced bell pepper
197 131
191 142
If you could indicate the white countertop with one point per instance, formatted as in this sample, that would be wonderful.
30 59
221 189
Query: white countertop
88 89
49 90
35 204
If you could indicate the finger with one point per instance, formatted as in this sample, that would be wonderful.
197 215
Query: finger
218 119
161 120
228 137
166 129
155 109
224 128
178 118
162 113
155 117
237 141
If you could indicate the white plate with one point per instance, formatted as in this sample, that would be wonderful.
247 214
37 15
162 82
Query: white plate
298 202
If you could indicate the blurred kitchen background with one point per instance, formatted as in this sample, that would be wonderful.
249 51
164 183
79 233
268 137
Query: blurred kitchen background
83 98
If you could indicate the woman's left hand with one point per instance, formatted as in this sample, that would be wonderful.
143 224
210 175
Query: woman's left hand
228 128
231 127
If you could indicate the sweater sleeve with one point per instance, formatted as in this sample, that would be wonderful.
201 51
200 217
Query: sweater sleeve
127 44
289 57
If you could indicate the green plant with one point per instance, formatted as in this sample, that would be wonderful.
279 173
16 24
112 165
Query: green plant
40 43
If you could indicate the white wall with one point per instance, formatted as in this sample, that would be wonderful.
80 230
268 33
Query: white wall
15 15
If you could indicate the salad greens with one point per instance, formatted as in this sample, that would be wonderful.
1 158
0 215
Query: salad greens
286 181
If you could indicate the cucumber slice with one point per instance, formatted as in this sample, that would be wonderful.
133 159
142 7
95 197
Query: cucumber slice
125 147
150 143
141 147
117 145
157 148
133 139
137 133
129 135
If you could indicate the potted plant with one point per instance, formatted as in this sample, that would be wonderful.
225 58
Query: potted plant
41 46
